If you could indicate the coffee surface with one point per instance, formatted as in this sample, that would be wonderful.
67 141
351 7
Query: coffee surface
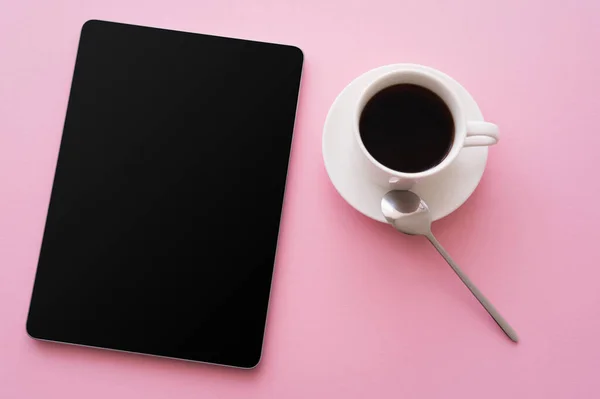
407 128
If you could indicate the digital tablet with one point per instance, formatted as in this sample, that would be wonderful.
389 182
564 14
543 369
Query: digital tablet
163 220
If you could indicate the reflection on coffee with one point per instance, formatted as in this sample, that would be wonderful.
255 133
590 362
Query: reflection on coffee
407 128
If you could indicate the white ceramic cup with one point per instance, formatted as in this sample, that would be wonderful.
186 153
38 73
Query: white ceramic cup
466 134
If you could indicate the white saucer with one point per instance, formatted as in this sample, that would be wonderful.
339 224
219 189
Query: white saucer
444 192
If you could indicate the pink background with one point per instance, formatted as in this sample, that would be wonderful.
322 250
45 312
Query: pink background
357 310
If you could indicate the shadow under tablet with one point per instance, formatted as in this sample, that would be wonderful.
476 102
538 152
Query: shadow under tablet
167 135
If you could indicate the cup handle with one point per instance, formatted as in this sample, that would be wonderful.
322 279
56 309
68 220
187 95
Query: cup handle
481 134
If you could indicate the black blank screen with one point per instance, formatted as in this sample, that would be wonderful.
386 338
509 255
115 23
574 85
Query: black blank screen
163 220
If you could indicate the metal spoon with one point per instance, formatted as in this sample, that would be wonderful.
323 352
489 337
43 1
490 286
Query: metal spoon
408 213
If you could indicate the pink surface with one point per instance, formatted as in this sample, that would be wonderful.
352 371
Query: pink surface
357 310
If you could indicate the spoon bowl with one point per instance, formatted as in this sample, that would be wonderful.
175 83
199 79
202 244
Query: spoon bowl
407 212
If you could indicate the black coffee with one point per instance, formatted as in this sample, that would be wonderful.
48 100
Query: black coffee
407 128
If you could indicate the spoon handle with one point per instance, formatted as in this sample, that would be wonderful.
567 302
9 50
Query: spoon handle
508 330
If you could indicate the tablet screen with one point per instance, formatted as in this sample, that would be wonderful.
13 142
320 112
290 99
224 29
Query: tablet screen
164 214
